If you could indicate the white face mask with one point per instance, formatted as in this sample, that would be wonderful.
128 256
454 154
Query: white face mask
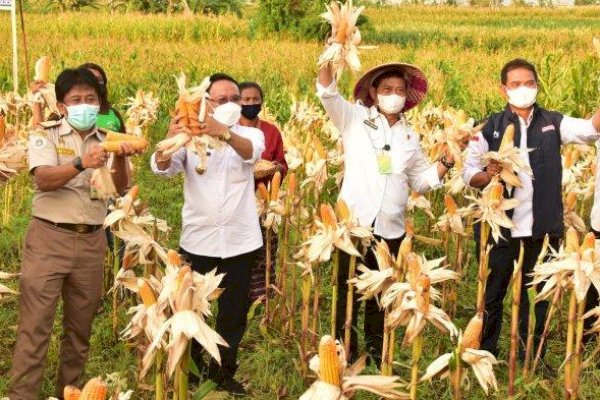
391 103
522 97
228 113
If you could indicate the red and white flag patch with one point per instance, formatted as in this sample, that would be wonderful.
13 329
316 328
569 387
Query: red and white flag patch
548 128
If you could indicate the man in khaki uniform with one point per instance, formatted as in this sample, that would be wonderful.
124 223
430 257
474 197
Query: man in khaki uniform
65 245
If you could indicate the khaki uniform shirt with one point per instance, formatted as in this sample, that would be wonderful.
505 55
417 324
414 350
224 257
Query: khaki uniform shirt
59 144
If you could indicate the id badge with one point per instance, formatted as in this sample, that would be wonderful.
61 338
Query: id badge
385 164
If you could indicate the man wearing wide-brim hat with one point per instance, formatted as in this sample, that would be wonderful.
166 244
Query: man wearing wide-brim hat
383 163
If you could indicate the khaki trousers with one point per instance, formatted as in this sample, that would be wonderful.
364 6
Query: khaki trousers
56 262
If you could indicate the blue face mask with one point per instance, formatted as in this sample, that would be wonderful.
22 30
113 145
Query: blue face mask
82 116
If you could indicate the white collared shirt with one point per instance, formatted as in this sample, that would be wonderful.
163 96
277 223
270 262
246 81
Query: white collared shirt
219 215
572 130
370 195
595 214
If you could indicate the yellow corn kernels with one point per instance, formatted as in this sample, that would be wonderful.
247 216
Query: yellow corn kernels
95 389
330 369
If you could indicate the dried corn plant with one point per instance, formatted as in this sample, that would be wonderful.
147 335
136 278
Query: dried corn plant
142 112
345 39
574 268
454 366
191 108
5 290
173 312
338 381
46 96
510 159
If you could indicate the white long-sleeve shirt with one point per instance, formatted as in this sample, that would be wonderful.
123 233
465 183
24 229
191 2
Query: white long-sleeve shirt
219 215
370 195
572 130
595 214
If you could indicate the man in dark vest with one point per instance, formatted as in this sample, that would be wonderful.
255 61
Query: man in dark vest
540 209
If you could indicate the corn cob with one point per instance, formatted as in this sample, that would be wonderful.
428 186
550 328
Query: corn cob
262 192
71 393
112 136
589 242
568 158
508 138
571 201
330 370
472 336
114 147
145 291
406 246
113 141
414 269
275 185
129 260
182 113
292 184
425 283
95 389
173 258
319 148
343 211
42 69
450 204
341 33
2 127
572 241
496 191
327 215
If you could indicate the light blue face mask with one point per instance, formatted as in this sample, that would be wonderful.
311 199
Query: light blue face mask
82 116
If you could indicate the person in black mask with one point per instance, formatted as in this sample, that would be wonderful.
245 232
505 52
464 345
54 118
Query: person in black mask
251 101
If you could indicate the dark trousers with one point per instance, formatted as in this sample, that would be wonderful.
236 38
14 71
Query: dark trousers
501 265
592 300
233 304
373 322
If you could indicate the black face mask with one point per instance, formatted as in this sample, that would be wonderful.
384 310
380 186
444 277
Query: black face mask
251 111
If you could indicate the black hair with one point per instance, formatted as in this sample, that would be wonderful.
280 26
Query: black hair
516 64
251 85
388 74
219 76
74 77
105 103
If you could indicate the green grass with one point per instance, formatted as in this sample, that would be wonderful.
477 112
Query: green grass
461 51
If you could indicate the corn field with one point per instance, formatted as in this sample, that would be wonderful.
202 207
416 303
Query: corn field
288 350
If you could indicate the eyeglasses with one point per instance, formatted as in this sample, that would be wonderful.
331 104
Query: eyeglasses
224 100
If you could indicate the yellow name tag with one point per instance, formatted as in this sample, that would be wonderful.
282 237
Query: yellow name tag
385 164
65 151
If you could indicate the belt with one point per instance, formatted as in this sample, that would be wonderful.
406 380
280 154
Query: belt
78 228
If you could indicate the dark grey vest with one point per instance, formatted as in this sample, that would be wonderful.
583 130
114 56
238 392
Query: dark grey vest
543 136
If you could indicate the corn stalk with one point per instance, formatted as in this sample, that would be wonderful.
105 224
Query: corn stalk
349 307
334 290
414 374
578 350
514 323
570 343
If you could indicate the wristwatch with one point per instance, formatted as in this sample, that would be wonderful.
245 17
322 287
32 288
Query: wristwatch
78 164
225 136
445 163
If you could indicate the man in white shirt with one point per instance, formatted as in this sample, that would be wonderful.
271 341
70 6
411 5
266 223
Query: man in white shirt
540 209
383 163
220 221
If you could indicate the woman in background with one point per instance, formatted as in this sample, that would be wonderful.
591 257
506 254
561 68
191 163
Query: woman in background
251 101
